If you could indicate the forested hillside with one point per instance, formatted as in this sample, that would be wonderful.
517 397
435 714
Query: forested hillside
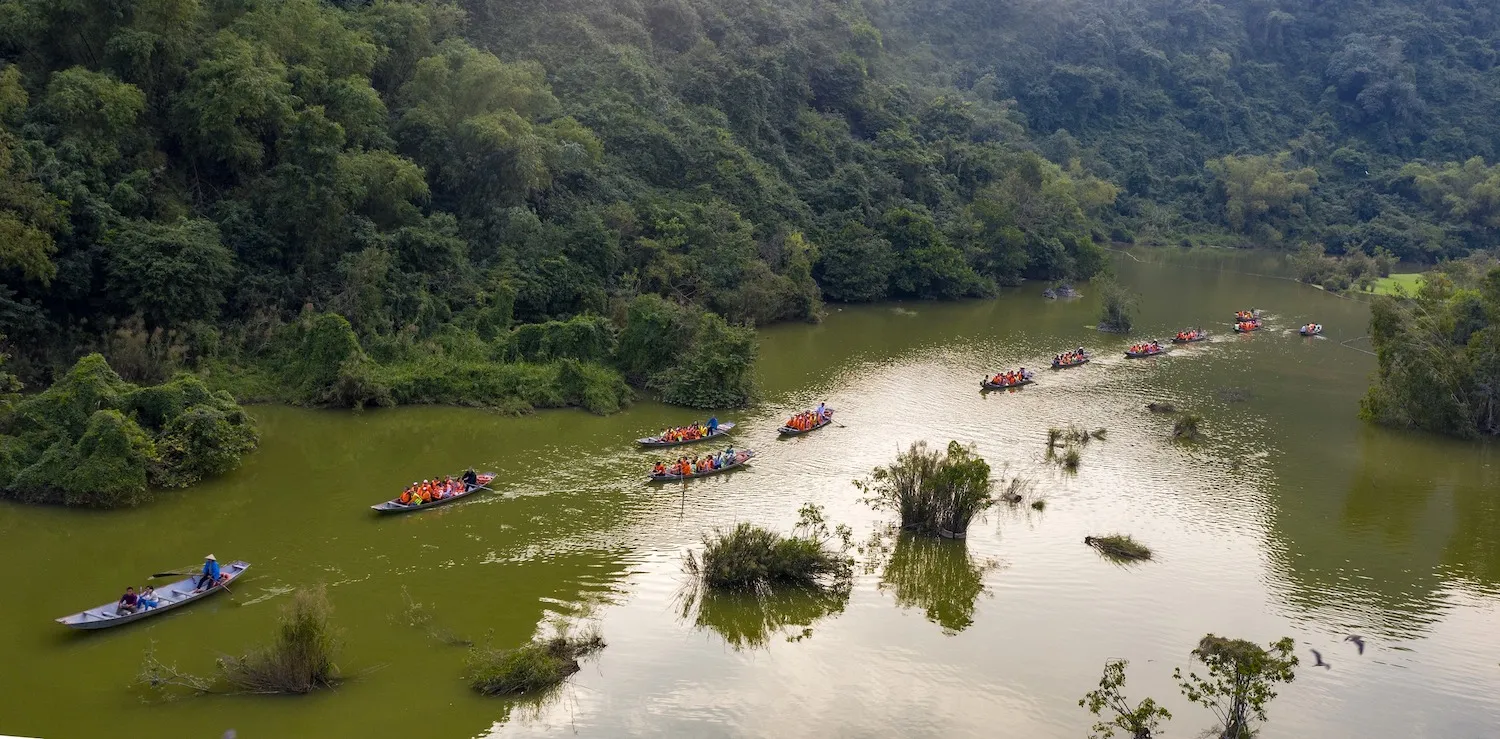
1353 123
525 203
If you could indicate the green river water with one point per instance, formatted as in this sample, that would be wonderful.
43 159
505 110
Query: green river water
1292 518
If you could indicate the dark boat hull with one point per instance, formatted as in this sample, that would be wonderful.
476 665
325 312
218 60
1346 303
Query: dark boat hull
1143 355
105 616
395 506
1055 365
987 385
1193 340
705 473
657 443
789 431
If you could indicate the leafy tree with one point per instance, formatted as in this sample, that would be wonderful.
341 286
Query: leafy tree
170 274
1117 311
1241 675
1138 721
1260 192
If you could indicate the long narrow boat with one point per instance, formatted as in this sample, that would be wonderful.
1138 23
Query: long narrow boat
789 431
987 385
1200 336
656 441
1075 363
1312 329
1148 353
396 506
173 596
743 458
1240 328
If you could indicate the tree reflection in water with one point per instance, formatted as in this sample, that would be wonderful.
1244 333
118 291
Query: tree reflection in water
750 620
938 576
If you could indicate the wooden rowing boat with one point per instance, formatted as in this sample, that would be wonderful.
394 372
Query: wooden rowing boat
1078 363
789 431
1142 355
742 458
1240 329
173 596
1313 331
987 385
1195 339
395 506
656 441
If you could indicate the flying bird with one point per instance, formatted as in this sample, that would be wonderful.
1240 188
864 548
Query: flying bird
1358 640
1319 657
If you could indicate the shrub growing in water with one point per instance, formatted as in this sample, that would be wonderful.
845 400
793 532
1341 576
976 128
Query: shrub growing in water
93 439
932 491
1240 678
530 668
1118 311
301 658
749 558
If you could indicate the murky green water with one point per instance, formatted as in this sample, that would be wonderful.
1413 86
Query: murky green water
1292 518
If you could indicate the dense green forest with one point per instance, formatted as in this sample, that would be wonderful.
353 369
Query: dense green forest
525 204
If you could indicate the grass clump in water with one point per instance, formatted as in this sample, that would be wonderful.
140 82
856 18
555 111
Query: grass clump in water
1161 407
1071 459
748 558
1039 504
1119 547
300 660
1185 428
933 491
532 668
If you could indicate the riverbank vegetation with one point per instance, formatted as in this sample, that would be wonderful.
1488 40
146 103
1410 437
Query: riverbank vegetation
92 439
1438 356
751 559
931 491
208 187
534 668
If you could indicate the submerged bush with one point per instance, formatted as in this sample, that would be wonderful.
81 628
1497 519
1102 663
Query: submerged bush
749 558
531 668
1185 427
932 491
169 435
1117 313
1119 547
301 658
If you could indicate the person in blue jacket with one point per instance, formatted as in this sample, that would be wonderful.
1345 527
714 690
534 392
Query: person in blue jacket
713 425
210 576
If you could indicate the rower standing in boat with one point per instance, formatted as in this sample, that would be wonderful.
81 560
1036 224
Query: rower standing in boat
822 411
713 425
210 576
471 480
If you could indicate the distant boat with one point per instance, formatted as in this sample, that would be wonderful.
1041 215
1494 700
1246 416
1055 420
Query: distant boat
1311 329
656 441
1150 352
789 431
1191 337
171 597
987 385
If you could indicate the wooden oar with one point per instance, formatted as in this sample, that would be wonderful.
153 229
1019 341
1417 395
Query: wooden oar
172 574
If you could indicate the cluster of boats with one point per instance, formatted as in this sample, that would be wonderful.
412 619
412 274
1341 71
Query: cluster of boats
1245 321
